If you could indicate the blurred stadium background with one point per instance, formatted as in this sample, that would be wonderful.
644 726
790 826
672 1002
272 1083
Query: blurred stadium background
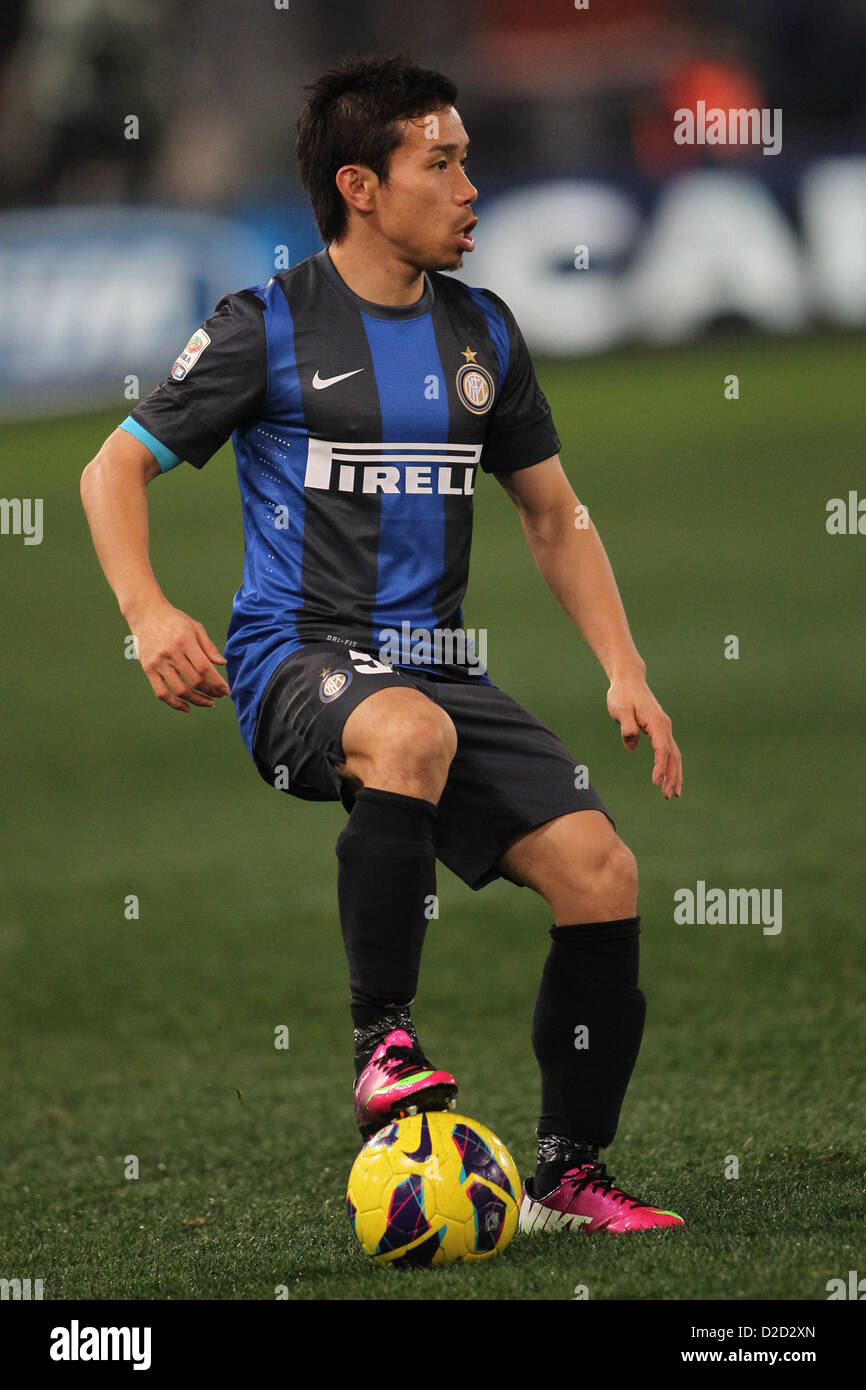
146 162
146 167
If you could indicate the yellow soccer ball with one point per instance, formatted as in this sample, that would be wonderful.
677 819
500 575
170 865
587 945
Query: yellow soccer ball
432 1189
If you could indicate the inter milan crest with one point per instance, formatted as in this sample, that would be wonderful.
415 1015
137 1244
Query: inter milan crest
334 685
475 385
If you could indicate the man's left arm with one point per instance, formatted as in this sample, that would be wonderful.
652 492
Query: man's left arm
573 563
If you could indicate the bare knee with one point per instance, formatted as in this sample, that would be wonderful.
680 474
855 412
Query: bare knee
418 738
580 866
599 885
619 869
601 857
400 741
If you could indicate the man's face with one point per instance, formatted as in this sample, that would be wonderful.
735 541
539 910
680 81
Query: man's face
425 209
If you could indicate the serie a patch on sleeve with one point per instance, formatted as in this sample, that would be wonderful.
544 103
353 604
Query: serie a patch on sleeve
190 355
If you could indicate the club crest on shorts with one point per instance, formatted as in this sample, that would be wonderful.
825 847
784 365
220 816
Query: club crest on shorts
334 685
475 385
190 355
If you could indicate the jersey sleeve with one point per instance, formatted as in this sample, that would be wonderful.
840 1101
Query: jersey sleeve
217 384
520 431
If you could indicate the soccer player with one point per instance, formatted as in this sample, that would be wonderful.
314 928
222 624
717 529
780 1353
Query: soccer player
362 388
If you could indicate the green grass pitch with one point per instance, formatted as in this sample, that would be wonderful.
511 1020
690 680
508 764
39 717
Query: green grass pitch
155 1037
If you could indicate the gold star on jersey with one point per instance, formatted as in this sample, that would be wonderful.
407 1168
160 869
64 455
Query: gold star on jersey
475 385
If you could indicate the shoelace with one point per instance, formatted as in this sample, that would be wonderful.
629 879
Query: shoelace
595 1177
400 1059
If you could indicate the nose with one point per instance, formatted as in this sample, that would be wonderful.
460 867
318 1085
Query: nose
472 193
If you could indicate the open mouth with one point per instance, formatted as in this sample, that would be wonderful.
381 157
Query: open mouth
465 239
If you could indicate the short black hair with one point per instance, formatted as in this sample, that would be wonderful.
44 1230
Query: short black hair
353 115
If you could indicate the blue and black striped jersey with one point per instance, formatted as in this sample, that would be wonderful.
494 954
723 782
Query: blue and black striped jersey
358 429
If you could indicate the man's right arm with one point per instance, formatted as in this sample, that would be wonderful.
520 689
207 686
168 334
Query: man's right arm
175 651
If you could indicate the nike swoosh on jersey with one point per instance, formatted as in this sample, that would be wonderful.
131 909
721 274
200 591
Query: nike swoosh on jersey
321 383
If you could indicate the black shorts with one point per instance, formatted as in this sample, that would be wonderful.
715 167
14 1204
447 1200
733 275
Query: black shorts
510 772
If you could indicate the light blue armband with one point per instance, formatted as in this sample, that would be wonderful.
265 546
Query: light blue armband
164 457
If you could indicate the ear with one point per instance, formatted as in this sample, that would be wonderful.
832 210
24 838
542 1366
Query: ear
357 184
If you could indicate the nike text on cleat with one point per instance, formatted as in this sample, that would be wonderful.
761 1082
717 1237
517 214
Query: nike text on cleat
588 1200
398 1080
322 383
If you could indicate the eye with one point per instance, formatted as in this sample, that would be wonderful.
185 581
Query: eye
443 163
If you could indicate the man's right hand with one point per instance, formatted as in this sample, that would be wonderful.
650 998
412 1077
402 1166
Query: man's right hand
176 653
178 658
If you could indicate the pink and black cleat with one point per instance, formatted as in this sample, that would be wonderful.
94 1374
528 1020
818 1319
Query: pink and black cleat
398 1080
587 1200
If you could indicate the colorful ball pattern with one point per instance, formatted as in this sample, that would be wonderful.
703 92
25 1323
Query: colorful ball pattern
433 1189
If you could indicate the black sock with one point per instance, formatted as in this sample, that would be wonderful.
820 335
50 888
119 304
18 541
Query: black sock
556 1154
387 873
587 1029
